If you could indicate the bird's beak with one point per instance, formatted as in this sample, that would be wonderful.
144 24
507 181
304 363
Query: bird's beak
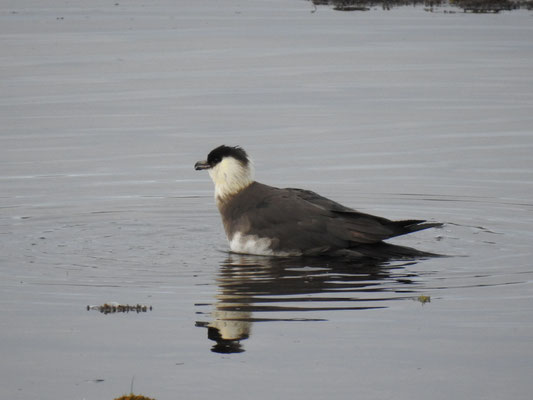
201 165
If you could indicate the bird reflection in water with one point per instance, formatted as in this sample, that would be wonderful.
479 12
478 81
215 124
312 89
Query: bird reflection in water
257 289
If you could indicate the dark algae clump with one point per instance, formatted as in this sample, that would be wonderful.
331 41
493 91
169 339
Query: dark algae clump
110 308
132 396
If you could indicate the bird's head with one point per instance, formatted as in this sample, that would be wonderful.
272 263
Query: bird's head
230 169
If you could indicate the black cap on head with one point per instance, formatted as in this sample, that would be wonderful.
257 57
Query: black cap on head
216 155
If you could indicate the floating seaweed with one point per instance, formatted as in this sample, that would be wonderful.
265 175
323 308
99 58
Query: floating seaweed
485 6
110 308
132 396
473 6
423 299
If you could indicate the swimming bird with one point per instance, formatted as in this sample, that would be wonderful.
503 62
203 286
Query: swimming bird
266 220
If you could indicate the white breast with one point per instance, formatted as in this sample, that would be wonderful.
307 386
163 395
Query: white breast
253 244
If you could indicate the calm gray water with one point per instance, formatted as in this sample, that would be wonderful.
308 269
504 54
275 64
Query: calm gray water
404 114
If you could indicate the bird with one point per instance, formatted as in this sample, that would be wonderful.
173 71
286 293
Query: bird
265 220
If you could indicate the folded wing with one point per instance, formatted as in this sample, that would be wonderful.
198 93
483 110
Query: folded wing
297 219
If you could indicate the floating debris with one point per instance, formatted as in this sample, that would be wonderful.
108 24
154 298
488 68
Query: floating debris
109 308
132 396
98 380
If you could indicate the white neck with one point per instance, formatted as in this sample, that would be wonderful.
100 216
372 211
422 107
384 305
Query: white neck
230 176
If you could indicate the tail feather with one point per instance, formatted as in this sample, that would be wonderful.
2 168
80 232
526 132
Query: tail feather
414 225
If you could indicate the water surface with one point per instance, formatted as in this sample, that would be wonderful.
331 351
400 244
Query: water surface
401 113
